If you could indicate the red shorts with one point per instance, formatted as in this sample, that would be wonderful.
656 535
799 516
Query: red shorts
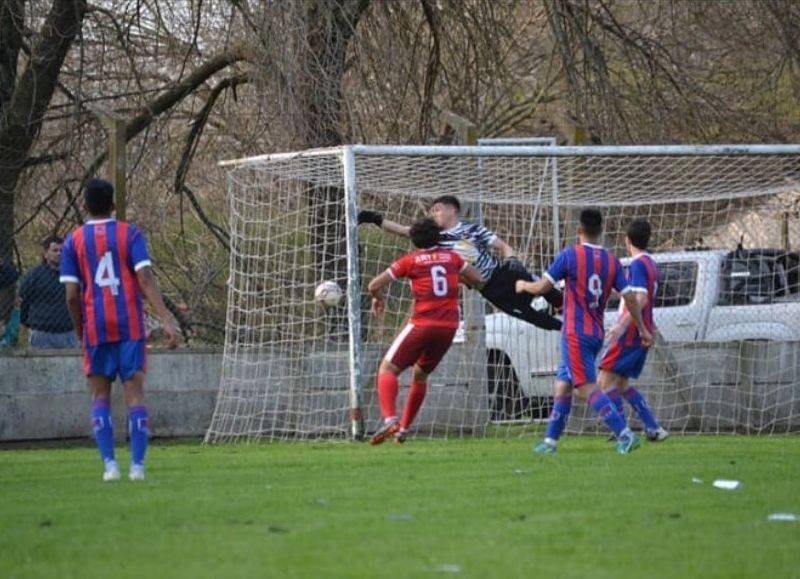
421 345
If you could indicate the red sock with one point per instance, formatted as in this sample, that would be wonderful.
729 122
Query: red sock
416 394
387 394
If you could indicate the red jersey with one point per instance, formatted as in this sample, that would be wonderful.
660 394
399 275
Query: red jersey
434 274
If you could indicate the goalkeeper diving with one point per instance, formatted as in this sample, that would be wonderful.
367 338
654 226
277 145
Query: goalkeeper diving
488 253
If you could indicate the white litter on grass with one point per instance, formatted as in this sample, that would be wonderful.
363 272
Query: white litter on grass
519 471
448 568
728 485
697 481
783 517
322 501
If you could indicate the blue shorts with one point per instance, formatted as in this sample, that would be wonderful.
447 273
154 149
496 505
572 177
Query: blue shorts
625 361
118 358
578 359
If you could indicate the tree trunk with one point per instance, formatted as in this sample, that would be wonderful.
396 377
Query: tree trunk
329 27
29 98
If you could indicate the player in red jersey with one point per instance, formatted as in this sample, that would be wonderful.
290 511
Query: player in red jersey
106 269
434 274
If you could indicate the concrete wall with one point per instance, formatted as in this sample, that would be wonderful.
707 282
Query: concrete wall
43 394
749 387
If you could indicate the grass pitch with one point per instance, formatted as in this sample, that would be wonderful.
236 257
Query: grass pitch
462 508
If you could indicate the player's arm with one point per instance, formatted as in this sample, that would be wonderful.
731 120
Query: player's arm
547 283
503 249
536 288
73 291
368 216
625 318
376 288
635 296
636 313
147 282
471 277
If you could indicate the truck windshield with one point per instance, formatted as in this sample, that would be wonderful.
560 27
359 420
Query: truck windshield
676 286
759 277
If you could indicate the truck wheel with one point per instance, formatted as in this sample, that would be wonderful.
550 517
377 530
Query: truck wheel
505 400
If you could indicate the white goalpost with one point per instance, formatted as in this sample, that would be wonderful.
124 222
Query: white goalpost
726 234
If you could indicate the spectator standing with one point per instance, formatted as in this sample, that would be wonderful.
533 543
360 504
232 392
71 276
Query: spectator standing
43 301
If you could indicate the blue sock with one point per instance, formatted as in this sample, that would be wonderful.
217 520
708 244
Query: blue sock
103 429
605 408
558 418
138 430
616 399
635 399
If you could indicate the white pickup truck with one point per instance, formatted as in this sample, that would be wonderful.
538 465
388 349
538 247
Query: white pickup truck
702 296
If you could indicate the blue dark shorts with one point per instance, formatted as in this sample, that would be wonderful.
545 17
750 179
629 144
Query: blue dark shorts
123 359
579 359
628 362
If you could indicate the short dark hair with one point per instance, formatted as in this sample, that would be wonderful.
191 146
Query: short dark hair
425 233
592 222
99 197
450 200
50 239
638 232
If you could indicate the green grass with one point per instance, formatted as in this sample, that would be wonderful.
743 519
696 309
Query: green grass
464 508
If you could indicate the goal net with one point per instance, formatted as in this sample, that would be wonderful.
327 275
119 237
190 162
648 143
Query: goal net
725 237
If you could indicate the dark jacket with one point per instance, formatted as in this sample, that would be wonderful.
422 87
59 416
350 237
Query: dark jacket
8 275
44 306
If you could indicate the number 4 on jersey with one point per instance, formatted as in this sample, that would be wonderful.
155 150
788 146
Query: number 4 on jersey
105 275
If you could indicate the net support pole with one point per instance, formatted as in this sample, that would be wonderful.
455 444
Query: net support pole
353 293
474 313
116 126
556 219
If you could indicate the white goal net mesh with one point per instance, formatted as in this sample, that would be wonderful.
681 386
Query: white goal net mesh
725 237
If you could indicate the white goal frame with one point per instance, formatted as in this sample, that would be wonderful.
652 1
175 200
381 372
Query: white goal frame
349 154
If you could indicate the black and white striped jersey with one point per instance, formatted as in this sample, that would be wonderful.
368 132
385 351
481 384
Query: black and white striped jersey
471 241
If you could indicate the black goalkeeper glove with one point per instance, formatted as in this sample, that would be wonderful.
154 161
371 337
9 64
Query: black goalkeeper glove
367 216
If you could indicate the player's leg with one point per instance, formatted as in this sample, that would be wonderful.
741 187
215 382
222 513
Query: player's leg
133 364
98 366
388 387
401 354
633 369
416 396
606 381
436 342
500 291
562 405
608 378
583 353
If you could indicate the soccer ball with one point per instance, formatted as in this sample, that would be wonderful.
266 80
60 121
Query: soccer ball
328 294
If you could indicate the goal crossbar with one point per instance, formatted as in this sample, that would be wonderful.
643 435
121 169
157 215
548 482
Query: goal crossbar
517 150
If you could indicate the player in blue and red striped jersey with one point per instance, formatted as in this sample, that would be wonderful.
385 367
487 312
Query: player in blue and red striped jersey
434 273
590 273
106 269
626 355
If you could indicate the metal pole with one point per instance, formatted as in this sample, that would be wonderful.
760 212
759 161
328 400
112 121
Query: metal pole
116 126
353 293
